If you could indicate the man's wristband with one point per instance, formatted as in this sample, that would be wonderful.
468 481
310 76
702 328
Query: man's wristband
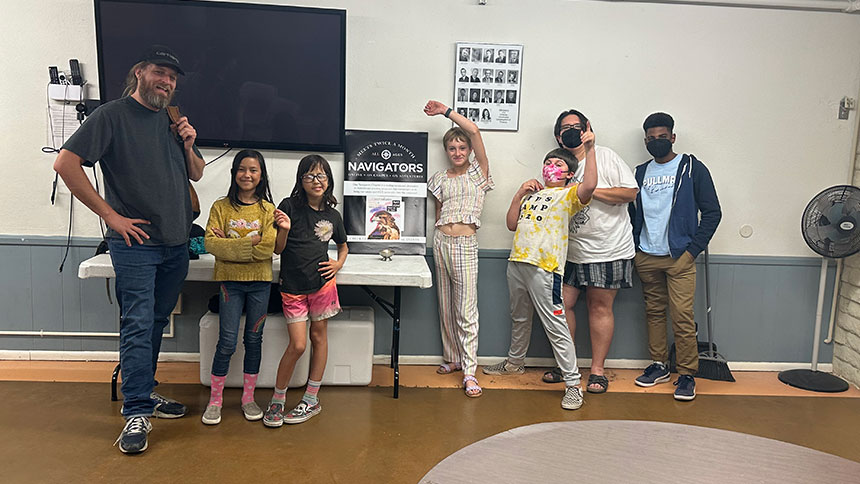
447 112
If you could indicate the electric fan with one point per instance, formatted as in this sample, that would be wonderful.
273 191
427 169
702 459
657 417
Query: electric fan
831 227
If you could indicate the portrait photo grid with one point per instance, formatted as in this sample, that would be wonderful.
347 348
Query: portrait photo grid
487 84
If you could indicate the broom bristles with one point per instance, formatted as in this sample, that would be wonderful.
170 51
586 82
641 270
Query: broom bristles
714 368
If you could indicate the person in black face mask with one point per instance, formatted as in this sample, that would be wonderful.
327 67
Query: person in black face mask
674 217
600 246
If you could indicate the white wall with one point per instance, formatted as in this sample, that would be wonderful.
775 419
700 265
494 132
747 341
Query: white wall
754 93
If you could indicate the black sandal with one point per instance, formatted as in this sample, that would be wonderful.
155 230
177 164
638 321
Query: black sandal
552 376
599 380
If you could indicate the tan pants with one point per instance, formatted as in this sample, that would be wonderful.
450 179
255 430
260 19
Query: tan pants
670 283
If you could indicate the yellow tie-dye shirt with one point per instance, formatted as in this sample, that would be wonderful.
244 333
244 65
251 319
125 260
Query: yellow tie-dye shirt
541 236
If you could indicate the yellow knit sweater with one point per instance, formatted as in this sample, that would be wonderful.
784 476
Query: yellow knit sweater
235 258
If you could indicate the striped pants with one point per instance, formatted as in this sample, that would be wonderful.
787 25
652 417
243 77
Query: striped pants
456 260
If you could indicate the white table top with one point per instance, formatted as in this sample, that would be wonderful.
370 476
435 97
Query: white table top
359 270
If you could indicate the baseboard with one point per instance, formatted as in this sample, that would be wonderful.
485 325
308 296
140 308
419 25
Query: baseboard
620 363
44 355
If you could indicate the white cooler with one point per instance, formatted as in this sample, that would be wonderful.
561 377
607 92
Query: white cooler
350 347
350 350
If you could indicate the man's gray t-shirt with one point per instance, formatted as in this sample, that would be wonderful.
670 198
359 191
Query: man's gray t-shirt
144 167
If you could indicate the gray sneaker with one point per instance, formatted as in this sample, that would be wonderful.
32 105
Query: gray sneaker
504 367
252 411
212 415
132 439
572 398
302 412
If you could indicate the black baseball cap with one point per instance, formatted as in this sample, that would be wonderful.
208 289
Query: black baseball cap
161 55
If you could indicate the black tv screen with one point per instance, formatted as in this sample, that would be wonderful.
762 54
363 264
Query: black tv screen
256 76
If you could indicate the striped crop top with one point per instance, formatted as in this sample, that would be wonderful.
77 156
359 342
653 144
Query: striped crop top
462 196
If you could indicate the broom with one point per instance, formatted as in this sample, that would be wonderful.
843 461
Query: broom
712 365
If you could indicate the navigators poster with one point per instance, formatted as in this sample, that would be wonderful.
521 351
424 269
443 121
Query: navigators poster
385 191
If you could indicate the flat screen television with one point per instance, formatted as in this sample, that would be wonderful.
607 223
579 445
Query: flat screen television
256 76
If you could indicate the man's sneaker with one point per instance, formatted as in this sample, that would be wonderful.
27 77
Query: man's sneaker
274 416
302 412
504 367
252 411
166 408
685 388
654 374
572 398
132 439
212 415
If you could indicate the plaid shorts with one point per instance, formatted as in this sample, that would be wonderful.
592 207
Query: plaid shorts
616 274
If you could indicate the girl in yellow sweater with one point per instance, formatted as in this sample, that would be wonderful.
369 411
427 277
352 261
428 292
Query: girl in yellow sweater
241 235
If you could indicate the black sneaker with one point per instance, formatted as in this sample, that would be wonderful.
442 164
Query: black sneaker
132 439
654 374
685 388
166 408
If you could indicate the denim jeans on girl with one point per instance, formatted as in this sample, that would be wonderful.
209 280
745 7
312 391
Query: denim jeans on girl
148 281
253 297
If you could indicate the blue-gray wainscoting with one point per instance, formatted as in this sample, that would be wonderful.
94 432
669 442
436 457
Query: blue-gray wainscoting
764 307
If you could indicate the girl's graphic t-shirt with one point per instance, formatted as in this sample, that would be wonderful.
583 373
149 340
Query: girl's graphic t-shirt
307 245
542 229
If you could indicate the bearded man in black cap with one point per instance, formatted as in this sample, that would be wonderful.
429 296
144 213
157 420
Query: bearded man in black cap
147 160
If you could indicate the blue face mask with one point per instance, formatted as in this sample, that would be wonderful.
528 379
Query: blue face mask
571 138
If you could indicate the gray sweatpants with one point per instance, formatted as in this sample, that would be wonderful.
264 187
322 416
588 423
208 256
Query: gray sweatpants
531 288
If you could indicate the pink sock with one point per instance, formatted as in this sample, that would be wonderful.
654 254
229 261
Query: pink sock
216 393
248 389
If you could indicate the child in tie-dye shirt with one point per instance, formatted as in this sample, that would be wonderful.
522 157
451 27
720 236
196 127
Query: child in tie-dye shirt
540 216
241 235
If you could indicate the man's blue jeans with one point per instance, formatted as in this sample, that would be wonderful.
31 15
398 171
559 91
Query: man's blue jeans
253 297
148 281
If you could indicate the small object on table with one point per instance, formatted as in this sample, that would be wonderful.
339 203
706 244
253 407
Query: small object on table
386 254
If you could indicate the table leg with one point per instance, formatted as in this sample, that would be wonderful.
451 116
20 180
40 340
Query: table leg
113 379
395 342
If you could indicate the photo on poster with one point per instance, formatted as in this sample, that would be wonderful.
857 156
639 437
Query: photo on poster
464 75
383 217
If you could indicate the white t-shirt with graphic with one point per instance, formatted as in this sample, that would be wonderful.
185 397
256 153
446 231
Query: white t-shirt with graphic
601 232
541 236
658 188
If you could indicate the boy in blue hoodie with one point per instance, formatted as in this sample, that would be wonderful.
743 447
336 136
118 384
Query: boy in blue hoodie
674 189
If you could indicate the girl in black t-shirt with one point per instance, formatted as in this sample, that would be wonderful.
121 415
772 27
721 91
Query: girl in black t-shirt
306 222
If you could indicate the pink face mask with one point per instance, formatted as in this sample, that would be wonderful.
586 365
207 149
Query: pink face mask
552 173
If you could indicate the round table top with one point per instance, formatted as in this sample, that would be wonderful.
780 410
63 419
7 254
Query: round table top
624 451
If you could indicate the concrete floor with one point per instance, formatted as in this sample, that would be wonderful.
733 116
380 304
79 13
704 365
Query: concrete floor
52 432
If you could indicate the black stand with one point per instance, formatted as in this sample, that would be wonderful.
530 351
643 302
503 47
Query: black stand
393 310
813 380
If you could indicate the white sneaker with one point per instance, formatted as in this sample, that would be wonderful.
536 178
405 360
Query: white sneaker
572 398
